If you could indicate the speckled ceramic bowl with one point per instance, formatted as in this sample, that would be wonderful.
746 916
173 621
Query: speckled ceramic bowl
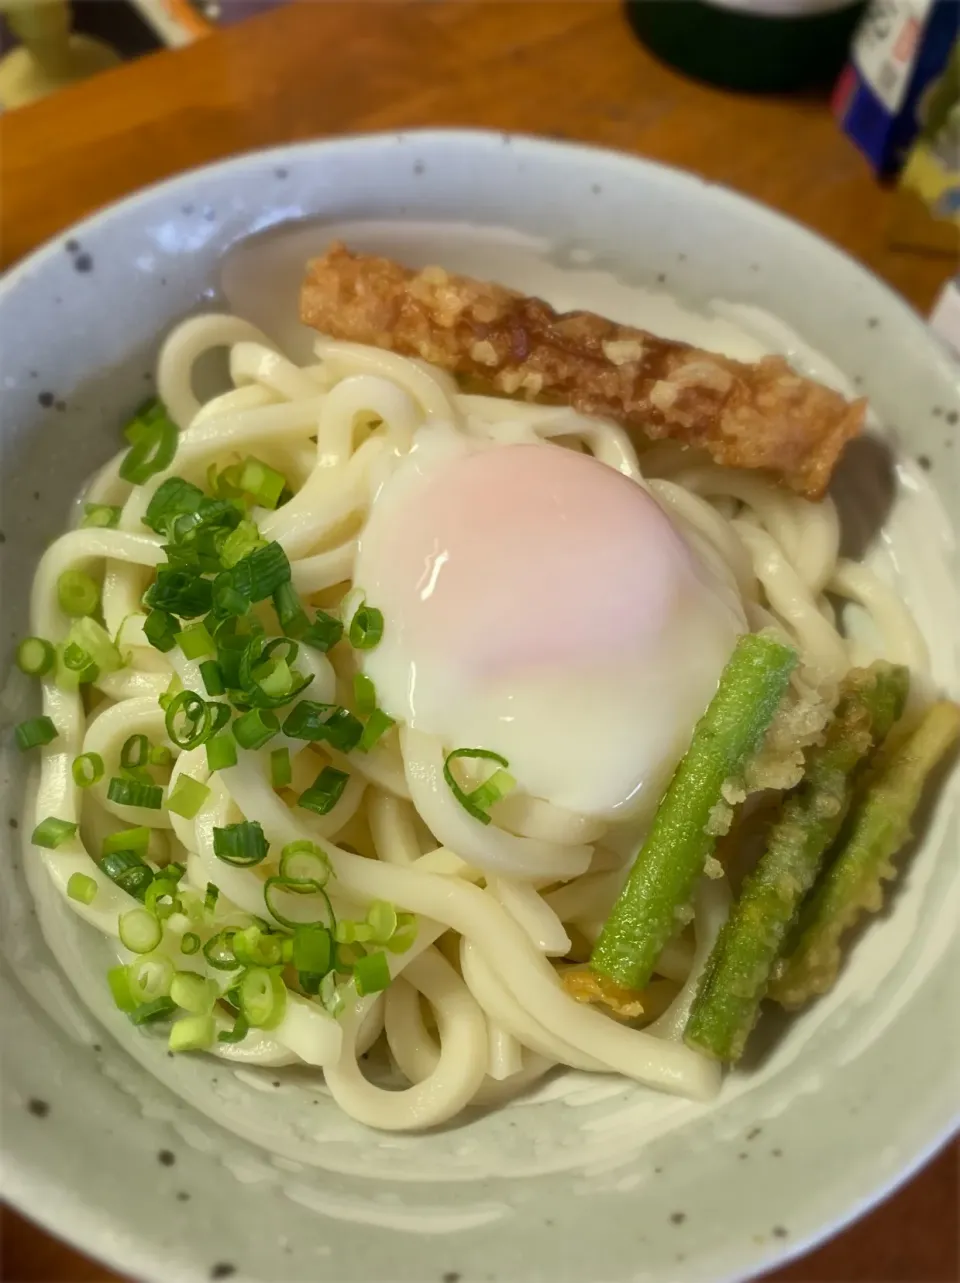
190 1169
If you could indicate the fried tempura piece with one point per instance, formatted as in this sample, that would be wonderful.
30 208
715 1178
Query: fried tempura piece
585 985
762 416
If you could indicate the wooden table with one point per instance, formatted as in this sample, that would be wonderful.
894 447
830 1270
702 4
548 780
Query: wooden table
569 70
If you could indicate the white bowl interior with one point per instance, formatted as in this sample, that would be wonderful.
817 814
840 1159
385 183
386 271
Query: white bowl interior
590 1177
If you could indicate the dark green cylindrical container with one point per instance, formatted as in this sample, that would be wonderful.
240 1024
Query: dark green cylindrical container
758 46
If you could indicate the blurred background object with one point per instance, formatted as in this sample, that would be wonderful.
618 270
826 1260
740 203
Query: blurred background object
758 46
50 54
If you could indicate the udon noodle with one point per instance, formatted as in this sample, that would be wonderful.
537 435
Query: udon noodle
475 1011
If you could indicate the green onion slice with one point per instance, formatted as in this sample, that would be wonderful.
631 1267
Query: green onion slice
160 629
87 769
324 723
188 797
140 932
77 593
305 862
212 676
490 791
242 844
264 483
377 725
193 993
262 997
312 949
275 886
405 933
281 768
241 1028
136 840
154 437
218 950
254 728
221 752
371 974
290 612
129 792
366 628
196 641
325 791
119 981
135 752
192 1033
173 498
150 976
100 515
189 942
148 1012
36 656
34 732
52 833
324 632
364 693
82 888
260 573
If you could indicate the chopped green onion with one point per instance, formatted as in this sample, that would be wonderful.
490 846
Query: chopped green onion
180 592
160 629
192 1033
293 618
77 593
211 896
218 950
119 982
151 975
160 755
147 1012
312 949
240 543
264 483
140 932
212 675
128 871
100 515
79 661
225 598
499 784
221 752
98 644
189 720
325 791
366 628
154 437
87 769
35 656
364 693
304 861
82 888
255 728
136 840
162 895
51 833
262 997
371 973
295 886
135 752
327 723
172 498
241 844
348 932
34 732
260 573
382 919
135 793
324 632
377 725
241 1028
196 641
281 769
187 797
189 942
405 933
330 994
193 993
256 947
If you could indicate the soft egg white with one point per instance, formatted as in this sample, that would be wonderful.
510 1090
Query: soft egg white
540 604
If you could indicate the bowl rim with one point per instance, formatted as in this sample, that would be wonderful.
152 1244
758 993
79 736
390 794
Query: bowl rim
67 1217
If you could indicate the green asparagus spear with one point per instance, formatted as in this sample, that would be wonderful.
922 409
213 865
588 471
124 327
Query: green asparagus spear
665 873
738 971
879 827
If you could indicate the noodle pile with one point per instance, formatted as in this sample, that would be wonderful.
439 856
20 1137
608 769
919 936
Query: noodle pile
475 1012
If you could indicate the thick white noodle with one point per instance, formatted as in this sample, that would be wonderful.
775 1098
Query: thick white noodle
505 895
